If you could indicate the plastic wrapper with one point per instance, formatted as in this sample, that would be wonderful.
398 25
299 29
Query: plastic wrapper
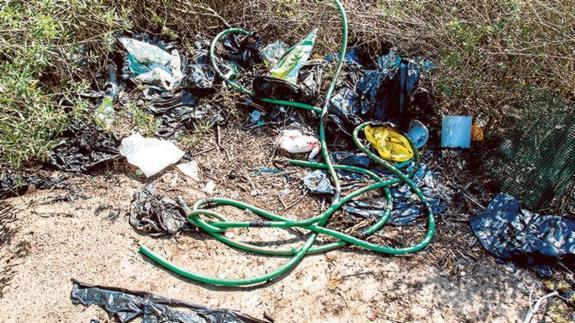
273 52
511 233
151 64
126 305
190 169
293 60
293 141
318 182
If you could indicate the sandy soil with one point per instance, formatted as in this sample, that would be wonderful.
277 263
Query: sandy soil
83 233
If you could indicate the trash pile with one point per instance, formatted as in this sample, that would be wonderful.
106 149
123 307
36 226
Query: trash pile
372 107
368 107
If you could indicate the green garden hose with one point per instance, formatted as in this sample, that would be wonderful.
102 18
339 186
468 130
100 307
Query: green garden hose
316 225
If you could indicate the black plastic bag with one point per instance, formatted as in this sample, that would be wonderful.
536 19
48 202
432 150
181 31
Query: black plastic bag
126 305
511 233
199 75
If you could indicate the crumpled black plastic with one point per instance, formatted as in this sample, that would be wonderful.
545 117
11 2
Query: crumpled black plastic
157 215
242 49
384 93
83 149
126 305
514 234
15 185
179 111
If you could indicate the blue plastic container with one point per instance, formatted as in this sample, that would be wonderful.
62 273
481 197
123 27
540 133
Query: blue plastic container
456 131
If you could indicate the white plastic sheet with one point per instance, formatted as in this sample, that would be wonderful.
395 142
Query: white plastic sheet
150 155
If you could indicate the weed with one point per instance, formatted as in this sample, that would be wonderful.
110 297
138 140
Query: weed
144 122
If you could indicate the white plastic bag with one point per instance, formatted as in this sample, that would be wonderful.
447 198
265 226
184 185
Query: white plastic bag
150 155
293 141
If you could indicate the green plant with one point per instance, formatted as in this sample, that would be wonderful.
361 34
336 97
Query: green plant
144 122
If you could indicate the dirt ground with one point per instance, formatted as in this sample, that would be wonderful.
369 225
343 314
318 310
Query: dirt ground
82 232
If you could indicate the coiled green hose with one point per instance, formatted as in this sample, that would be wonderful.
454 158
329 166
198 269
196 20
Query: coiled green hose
316 225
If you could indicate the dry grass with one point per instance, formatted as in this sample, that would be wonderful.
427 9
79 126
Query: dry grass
488 52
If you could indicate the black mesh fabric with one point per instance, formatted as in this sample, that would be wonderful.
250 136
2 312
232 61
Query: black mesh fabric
536 157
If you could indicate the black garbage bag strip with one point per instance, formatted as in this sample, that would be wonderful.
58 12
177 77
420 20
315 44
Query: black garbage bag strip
15 185
125 305
514 234
157 215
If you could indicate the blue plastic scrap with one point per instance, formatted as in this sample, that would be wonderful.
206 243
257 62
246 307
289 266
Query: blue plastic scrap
456 131
511 233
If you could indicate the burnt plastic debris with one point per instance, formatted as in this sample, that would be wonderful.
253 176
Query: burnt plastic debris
15 185
512 233
157 215
126 305
384 93
83 149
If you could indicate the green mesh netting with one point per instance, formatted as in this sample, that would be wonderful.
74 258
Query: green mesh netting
536 160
